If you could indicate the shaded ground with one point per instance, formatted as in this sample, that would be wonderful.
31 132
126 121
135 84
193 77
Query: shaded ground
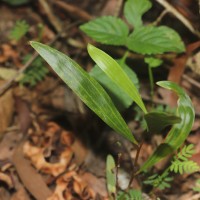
52 146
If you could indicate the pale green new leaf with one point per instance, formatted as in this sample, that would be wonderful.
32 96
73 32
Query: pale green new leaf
86 87
155 40
116 74
179 132
134 9
118 96
111 175
107 30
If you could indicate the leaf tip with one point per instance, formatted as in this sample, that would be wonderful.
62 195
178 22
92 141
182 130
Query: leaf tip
89 47
33 43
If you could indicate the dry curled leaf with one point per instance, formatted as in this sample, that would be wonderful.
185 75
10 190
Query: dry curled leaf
6 109
9 53
6 179
69 186
36 155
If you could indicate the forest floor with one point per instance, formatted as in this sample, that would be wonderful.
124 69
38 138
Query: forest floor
51 145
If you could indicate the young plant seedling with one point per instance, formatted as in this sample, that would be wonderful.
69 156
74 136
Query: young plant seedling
97 99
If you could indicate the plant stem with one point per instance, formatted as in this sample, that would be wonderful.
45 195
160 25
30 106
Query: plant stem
151 80
135 163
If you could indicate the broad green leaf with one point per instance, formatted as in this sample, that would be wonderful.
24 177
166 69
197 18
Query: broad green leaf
118 96
86 87
134 9
116 74
111 175
153 62
179 132
156 121
107 30
155 40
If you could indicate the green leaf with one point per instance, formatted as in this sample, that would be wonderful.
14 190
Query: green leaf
107 30
135 194
111 175
155 40
179 132
153 62
134 9
131 194
156 121
116 74
19 30
86 87
187 166
118 96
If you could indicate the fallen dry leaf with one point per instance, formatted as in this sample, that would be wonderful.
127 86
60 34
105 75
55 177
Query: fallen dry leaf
9 53
21 194
36 155
8 144
32 180
97 184
69 186
6 179
6 110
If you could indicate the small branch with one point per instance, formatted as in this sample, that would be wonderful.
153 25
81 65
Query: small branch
159 18
135 163
4 87
192 81
179 16
52 19
73 10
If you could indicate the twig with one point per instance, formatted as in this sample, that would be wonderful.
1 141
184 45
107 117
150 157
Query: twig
75 11
52 19
4 87
179 16
135 163
159 18
192 81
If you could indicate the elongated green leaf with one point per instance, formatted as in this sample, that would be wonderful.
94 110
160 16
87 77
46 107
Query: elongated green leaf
111 175
116 74
107 30
156 121
118 96
86 87
155 40
134 9
179 132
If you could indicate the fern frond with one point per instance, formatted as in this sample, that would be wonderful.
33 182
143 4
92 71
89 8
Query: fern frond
181 164
159 181
186 152
19 30
131 194
35 73
186 166
196 188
